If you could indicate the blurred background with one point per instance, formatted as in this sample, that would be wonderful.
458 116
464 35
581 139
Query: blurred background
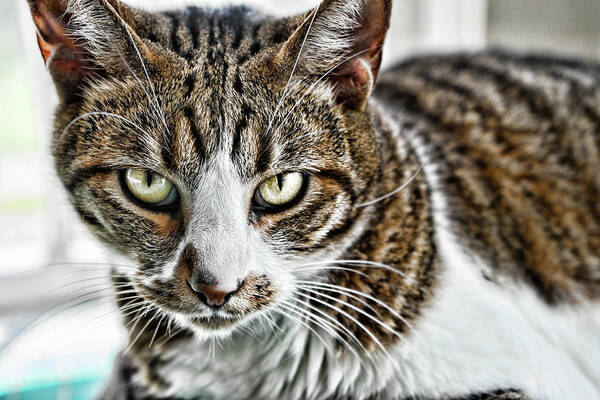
58 329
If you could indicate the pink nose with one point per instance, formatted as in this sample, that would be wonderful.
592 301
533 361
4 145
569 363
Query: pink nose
210 294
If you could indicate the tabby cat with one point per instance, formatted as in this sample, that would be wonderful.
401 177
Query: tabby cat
297 231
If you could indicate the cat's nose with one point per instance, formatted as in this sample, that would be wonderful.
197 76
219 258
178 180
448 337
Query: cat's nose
212 295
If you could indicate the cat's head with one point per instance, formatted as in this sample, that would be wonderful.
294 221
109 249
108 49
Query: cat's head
222 151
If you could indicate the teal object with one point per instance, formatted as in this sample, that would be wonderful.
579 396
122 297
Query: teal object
80 389
83 380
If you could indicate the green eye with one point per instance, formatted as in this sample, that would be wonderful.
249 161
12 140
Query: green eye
149 187
279 190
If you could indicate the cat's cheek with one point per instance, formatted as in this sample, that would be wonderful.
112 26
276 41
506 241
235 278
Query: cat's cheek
147 238
167 224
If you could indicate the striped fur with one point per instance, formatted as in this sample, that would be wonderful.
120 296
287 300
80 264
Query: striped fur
518 139
492 155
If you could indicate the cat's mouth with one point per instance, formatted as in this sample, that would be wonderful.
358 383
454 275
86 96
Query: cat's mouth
214 323
191 311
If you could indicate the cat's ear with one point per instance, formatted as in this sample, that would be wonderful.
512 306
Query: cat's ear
343 39
81 40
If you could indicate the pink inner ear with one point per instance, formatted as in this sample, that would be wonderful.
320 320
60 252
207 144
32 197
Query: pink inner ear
55 44
354 80
374 23
45 47
356 72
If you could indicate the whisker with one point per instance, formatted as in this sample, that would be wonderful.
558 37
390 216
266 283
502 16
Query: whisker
327 268
137 319
395 191
272 324
139 313
211 348
363 302
353 307
156 313
45 316
320 322
87 265
367 263
359 293
65 306
134 308
175 333
287 315
137 50
169 327
156 330
104 315
357 322
283 96
344 329
138 80
105 114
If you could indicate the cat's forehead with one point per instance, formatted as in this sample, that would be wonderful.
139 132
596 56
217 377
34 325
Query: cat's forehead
182 121
208 88
224 37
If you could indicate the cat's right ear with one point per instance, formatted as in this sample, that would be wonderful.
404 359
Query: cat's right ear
65 60
81 40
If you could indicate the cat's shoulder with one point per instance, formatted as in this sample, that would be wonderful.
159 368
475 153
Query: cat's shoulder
515 139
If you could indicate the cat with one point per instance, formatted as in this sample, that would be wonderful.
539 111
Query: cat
300 226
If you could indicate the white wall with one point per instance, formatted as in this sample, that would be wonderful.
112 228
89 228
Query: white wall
560 26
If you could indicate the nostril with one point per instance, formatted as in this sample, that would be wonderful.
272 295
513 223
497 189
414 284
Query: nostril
202 297
228 296
193 285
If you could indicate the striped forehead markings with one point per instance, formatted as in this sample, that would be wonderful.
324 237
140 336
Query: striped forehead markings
240 126
196 29
218 42
247 149
199 146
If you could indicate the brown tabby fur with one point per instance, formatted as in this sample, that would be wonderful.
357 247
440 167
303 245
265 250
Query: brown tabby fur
518 138
515 139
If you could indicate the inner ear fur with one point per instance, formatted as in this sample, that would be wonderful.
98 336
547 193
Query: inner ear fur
82 40
343 39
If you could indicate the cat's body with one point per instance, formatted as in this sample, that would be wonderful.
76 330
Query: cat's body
478 292
464 188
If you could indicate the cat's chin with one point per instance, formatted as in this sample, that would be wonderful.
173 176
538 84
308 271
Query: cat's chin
214 326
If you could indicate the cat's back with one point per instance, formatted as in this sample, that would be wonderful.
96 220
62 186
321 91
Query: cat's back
516 145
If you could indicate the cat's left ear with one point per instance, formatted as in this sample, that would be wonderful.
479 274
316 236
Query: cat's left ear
342 39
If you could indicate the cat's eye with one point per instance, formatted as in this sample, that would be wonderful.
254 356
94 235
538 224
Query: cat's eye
150 188
279 191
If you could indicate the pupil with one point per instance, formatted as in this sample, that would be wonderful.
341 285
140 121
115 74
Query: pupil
149 179
280 182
